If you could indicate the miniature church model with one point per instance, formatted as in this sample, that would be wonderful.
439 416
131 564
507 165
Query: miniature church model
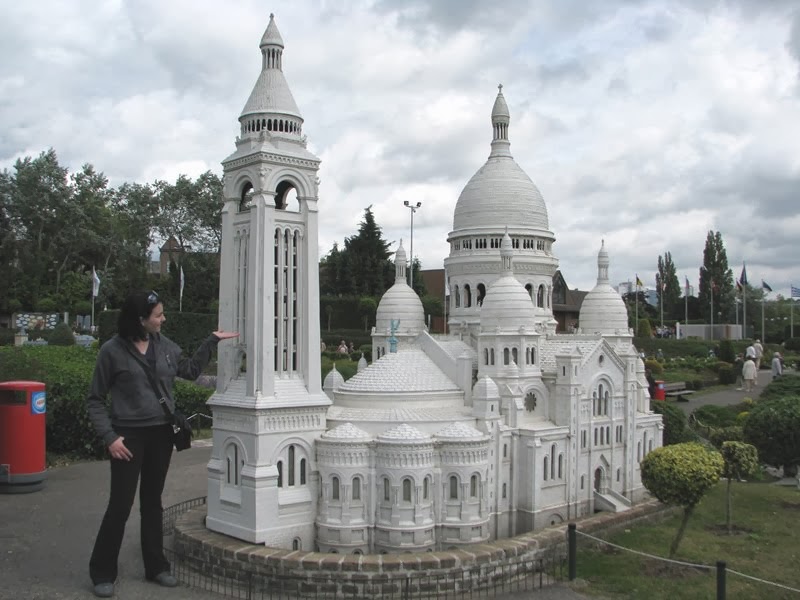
500 427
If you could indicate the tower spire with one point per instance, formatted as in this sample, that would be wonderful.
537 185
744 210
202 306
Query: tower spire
506 255
602 264
400 263
501 146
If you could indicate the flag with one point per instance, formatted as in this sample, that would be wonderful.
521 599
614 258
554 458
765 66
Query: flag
765 285
738 286
182 281
638 281
95 284
743 278
687 286
795 292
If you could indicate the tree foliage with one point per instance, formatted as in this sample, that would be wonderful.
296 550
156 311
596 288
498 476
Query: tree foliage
717 273
56 226
681 475
773 427
668 287
674 421
741 460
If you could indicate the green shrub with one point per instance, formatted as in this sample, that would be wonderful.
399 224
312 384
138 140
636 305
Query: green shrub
792 344
7 337
188 330
727 375
726 351
191 398
61 336
781 388
367 350
656 368
47 305
773 427
715 416
674 421
721 435
695 384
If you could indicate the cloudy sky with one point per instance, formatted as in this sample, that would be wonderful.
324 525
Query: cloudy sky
646 124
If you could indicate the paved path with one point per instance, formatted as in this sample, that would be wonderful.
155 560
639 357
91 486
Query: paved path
46 537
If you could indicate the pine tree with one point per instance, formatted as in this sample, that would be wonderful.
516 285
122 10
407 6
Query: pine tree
668 286
715 269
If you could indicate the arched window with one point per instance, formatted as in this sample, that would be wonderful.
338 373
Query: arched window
453 487
247 195
529 289
505 450
296 544
491 356
233 464
514 357
457 297
302 471
406 490
506 356
533 356
553 461
481 293
335 488
486 356
425 485
467 296
291 465
561 466
356 488
387 492
546 467
540 297
594 403
639 451
504 490
280 473
473 486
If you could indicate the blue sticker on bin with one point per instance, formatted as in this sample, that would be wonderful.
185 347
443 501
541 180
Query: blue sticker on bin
38 403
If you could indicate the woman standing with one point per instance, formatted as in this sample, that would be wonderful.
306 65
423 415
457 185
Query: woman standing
137 431
749 374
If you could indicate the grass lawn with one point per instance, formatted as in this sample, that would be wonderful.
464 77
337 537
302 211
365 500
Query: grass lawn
765 545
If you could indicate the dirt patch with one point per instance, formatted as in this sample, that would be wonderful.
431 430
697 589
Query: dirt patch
662 569
790 505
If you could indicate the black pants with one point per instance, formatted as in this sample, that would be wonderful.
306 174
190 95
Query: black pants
152 450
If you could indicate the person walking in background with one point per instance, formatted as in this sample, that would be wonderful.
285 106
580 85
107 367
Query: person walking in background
749 374
777 365
737 368
137 431
759 349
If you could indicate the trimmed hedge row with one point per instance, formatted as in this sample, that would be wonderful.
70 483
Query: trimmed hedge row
67 372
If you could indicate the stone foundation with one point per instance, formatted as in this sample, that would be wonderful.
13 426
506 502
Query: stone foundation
475 567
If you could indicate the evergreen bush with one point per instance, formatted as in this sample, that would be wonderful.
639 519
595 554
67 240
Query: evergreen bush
674 421
188 330
61 336
726 351
727 375
644 329
656 368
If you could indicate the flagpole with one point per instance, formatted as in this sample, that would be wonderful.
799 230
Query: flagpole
636 302
763 333
686 304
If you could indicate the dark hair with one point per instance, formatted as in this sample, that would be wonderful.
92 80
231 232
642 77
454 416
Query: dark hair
137 306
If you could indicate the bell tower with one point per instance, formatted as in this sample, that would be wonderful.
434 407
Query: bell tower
269 405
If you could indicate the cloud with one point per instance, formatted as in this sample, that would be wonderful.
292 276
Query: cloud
644 123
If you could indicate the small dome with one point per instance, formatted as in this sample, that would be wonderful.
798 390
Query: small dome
400 303
603 311
500 109
271 37
333 379
459 431
404 433
346 432
486 389
508 306
362 364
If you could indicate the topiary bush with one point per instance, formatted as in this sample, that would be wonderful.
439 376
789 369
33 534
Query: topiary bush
727 375
773 427
721 435
726 351
644 329
681 475
61 336
656 368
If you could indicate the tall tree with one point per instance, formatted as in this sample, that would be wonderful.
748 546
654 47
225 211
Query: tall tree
368 258
715 269
668 286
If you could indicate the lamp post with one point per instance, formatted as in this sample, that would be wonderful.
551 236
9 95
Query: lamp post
711 294
413 208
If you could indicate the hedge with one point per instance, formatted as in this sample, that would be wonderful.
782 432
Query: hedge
67 372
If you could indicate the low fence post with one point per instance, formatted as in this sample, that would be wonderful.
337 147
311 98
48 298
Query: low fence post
721 580
572 550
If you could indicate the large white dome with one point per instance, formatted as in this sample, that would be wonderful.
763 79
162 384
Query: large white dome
500 194
603 310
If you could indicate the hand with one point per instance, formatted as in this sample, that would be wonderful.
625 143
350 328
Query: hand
226 335
117 449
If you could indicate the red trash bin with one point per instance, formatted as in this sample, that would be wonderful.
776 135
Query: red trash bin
22 436
661 392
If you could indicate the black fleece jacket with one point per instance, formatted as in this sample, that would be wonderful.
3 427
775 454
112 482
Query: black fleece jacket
121 372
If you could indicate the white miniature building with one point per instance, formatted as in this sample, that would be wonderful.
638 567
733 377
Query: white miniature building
499 428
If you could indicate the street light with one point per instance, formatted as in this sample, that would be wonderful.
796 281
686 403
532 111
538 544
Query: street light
413 208
711 293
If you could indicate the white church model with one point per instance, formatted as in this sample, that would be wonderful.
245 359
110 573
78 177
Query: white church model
499 428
